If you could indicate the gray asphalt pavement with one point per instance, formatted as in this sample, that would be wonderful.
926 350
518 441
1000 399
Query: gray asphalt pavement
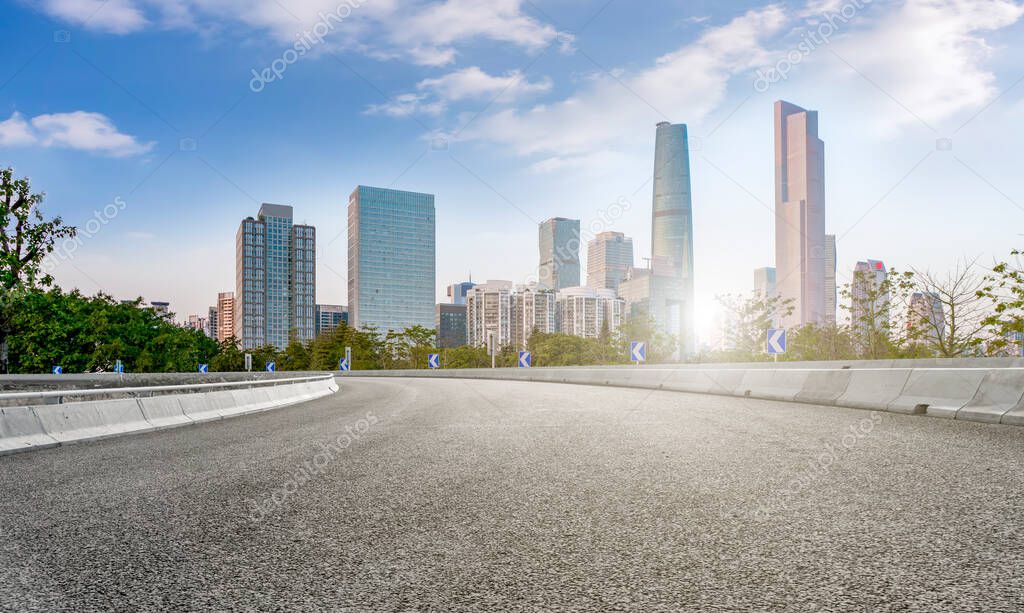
484 495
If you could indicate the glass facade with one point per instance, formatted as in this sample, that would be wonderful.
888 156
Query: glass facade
391 258
275 279
672 235
559 242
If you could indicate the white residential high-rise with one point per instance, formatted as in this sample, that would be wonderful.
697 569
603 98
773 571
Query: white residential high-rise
800 254
489 310
609 256
584 311
533 309
831 290
870 299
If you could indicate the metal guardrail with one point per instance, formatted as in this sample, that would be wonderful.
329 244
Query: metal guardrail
60 394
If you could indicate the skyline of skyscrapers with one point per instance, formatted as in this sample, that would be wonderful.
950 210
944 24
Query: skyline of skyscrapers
799 214
392 252
391 258
275 282
559 244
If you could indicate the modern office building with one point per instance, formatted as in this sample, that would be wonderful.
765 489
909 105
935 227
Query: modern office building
391 259
609 256
489 311
831 289
450 323
211 323
764 282
926 322
275 279
533 309
800 256
457 292
665 291
584 311
869 297
225 315
559 253
329 317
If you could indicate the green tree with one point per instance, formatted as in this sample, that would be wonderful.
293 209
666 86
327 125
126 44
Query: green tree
820 342
878 314
296 355
747 320
26 238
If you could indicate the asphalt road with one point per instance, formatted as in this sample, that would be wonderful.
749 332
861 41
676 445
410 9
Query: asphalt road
472 495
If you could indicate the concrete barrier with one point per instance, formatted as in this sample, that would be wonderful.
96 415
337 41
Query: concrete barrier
824 386
47 425
772 384
1000 392
938 392
20 429
873 389
164 411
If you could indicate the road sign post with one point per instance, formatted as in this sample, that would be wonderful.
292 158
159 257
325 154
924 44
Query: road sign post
525 359
638 352
248 362
776 342
492 346
348 359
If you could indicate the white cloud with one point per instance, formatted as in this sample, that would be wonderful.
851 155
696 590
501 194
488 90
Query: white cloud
116 16
682 86
468 83
16 131
930 55
475 83
80 130
425 33
406 104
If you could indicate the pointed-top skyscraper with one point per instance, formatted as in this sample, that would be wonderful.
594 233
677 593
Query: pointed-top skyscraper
800 252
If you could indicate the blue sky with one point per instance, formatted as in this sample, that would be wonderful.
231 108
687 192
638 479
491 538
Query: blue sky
544 108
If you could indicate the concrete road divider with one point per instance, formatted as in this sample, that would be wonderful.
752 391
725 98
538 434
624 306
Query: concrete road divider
164 411
824 386
1000 393
772 384
38 426
20 429
938 392
973 392
873 389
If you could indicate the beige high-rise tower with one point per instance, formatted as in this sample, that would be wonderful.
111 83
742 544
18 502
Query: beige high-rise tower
800 252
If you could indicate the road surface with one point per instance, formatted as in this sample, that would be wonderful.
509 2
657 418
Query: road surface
417 494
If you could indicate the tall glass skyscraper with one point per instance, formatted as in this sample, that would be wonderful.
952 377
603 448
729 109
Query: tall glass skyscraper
391 258
672 236
275 280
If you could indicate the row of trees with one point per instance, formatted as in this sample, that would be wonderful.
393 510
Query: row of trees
910 314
